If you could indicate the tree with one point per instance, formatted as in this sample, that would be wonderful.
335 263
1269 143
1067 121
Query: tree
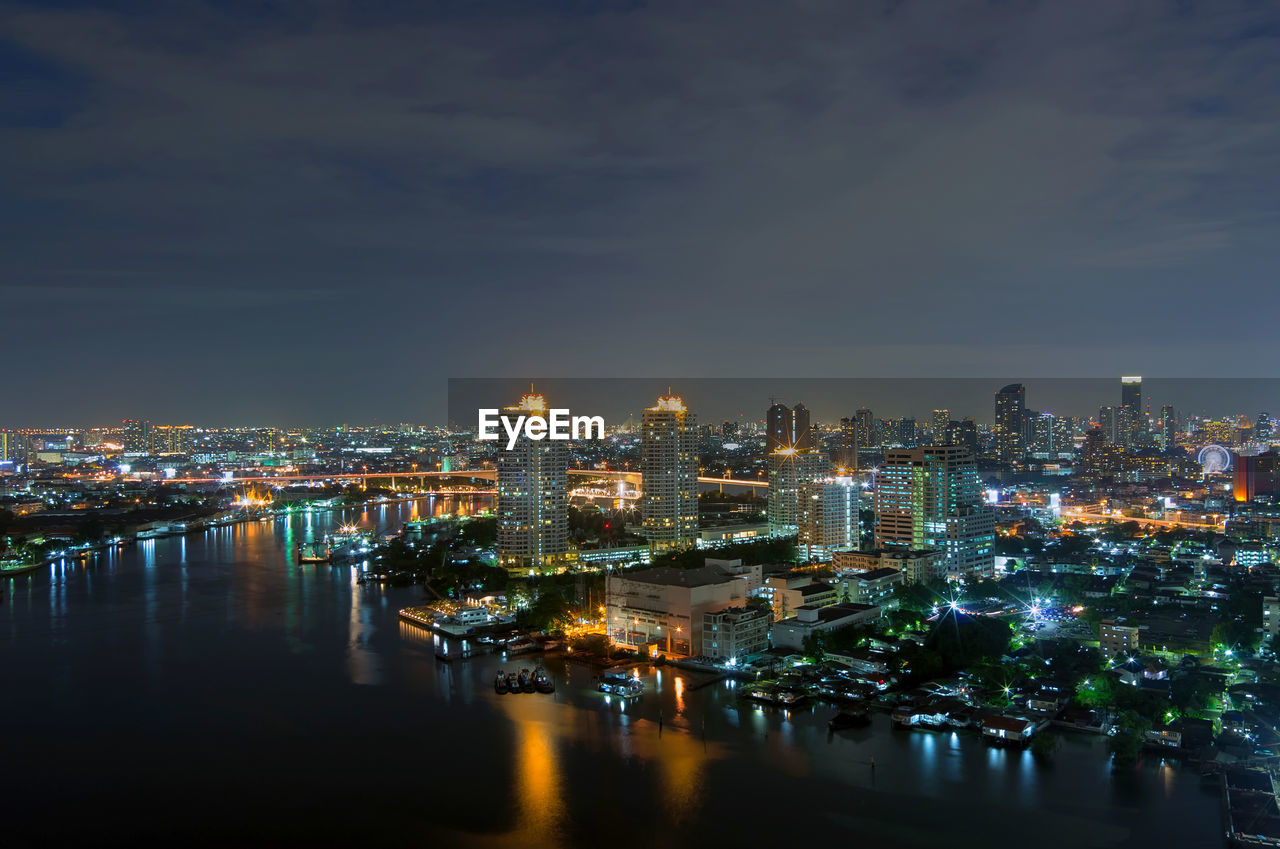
1126 744
1044 744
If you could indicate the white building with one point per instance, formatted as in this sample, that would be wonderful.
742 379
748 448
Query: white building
532 504
829 517
791 633
790 470
663 609
669 475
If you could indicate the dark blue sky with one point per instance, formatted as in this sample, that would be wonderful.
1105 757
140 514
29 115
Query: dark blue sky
286 212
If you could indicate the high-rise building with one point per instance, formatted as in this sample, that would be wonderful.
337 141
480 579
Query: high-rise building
1255 474
938 426
137 436
532 503
1132 418
787 427
963 433
865 422
1168 426
847 455
1010 423
1263 429
931 497
829 517
789 472
9 445
669 475
172 439
1109 421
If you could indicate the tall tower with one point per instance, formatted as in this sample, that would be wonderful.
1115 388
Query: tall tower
1132 418
1168 426
1010 423
532 503
801 434
865 422
938 424
669 475
931 498
137 436
778 428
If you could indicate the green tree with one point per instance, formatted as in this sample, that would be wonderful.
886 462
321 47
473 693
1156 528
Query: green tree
1044 744
1126 744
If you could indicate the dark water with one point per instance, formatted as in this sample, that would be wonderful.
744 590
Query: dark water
207 691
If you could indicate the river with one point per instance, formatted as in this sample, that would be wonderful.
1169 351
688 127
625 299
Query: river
206 690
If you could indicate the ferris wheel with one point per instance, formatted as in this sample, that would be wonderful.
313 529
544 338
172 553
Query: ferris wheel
1214 459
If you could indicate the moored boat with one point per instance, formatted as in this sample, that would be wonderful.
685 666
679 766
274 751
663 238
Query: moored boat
500 683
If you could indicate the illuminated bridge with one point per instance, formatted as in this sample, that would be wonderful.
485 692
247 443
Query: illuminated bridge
632 478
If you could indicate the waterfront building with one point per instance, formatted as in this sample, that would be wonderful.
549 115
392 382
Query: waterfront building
790 633
828 520
532 502
663 609
1010 423
669 476
735 633
931 497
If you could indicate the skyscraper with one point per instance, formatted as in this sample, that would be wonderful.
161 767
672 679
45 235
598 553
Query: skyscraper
669 475
532 503
1168 426
931 497
1010 423
1131 420
829 517
789 472
865 422
938 425
777 429
1109 421
847 456
788 427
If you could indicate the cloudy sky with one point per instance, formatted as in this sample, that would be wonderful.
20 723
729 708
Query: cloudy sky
286 212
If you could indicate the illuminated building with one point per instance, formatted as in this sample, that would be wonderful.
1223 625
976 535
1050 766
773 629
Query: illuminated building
789 472
828 519
963 433
1117 639
847 455
669 475
915 566
865 424
173 439
10 443
1100 458
1220 433
1132 421
901 433
1010 423
532 502
735 632
1254 475
1263 429
787 427
137 436
931 497
663 609
1168 426
938 425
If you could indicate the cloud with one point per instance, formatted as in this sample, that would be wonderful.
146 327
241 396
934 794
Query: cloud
985 175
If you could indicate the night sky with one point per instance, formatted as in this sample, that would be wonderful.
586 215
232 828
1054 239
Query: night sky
314 213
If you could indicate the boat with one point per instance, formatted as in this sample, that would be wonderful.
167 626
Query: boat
619 684
855 718
513 683
525 680
520 645
542 681
500 684
313 552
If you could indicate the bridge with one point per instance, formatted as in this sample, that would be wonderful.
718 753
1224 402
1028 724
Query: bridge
632 478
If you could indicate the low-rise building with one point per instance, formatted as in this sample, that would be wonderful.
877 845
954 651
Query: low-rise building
735 632
791 633
1271 616
916 565
872 587
1117 638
